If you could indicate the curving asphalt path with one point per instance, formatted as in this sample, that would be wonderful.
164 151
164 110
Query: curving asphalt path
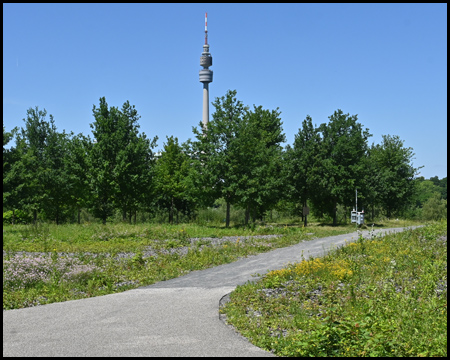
177 317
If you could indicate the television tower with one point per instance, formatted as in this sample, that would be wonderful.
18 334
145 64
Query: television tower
206 76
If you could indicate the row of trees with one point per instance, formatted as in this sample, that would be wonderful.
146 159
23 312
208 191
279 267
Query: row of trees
55 173
239 158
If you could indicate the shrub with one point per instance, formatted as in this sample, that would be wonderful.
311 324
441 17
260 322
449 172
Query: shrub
21 217
435 208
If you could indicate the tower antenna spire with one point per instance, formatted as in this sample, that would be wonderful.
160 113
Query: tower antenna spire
206 28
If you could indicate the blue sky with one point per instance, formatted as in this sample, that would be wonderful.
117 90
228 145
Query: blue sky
385 62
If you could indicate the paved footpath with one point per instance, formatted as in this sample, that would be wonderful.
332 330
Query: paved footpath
177 317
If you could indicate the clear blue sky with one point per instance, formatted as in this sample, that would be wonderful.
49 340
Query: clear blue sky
385 62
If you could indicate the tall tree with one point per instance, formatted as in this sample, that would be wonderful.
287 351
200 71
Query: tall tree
102 160
77 163
368 189
120 160
134 163
396 185
26 178
9 156
259 160
55 176
172 184
344 145
301 160
216 151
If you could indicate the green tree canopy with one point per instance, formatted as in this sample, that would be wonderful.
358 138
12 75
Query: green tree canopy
120 160
173 186
396 185
301 161
343 148
260 183
217 152
26 179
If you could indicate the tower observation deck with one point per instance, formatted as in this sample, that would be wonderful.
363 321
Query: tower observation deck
206 75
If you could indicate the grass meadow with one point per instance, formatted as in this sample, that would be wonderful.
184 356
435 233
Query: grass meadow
46 263
382 296
370 298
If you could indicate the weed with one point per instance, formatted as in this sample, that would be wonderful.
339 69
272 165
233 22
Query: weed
374 297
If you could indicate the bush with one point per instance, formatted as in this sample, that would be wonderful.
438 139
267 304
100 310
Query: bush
435 208
21 217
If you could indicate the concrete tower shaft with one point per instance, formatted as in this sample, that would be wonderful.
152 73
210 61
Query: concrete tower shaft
206 75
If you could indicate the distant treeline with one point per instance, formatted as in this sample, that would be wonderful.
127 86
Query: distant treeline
238 159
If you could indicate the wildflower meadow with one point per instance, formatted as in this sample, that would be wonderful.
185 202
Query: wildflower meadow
373 297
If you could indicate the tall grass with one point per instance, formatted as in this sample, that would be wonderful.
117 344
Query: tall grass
374 297
77 261
67 262
95 237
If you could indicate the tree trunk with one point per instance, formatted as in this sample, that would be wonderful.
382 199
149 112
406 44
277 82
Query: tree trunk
335 214
135 215
247 215
124 215
79 215
34 216
171 212
227 219
306 216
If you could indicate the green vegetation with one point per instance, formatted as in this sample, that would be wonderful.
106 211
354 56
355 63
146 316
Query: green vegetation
69 201
374 297
75 261
237 163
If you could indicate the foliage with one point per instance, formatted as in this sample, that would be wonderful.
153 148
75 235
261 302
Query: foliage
217 152
435 208
120 160
442 184
373 297
16 217
39 175
23 181
260 183
82 261
395 184
7 159
343 148
77 163
300 162
238 159
173 185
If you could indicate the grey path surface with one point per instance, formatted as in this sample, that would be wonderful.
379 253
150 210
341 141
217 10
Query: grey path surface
178 317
